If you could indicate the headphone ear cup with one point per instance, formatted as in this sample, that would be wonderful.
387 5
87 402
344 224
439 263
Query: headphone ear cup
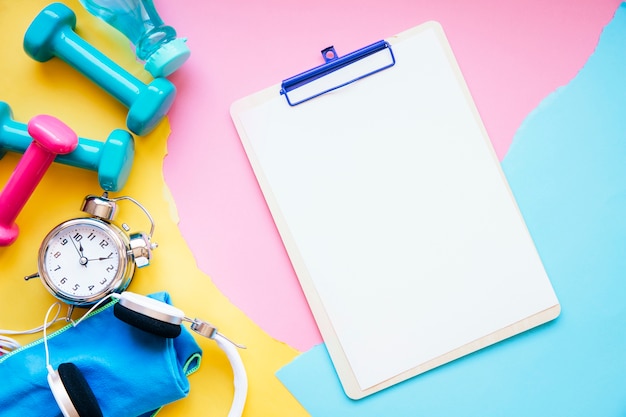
146 323
71 384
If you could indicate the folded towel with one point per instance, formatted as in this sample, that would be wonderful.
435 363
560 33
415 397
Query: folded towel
131 372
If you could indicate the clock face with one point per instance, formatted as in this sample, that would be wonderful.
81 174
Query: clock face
82 260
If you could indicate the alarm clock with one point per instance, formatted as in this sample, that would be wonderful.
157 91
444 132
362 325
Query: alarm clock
83 260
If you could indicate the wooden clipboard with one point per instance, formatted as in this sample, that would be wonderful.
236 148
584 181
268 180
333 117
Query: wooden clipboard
395 213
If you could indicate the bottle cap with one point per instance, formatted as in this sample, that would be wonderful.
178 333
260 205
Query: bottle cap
168 58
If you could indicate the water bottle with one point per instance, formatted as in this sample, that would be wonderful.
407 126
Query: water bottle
155 43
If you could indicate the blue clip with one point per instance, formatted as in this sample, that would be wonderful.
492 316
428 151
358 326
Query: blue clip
310 84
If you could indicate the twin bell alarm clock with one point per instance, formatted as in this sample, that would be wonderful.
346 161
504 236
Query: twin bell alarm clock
83 260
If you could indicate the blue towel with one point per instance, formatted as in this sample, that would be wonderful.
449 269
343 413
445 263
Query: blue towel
132 373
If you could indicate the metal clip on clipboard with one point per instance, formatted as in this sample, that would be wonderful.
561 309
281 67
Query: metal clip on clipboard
337 72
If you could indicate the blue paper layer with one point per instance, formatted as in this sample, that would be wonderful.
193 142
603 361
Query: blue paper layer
567 169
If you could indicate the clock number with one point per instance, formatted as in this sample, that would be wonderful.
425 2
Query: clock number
110 268
64 241
103 243
91 236
104 280
77 237
57 268
76 287
91 287
57 254
63 280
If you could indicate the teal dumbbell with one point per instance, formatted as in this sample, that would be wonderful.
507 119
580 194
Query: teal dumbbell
112 159
52 34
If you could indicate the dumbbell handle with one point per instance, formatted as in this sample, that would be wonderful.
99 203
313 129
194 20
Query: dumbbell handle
97 66
14 137
50 137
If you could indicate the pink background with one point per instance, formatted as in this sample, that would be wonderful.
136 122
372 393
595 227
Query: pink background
512 55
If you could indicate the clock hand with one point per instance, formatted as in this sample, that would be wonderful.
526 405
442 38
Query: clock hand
82 260
78 251
101 258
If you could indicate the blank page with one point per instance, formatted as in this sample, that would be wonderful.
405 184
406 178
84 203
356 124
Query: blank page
397 217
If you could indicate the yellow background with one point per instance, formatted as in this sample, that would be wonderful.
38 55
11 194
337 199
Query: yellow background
54 88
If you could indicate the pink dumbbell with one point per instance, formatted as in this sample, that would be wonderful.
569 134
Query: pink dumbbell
51 137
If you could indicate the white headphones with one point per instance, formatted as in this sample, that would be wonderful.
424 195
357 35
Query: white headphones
72 392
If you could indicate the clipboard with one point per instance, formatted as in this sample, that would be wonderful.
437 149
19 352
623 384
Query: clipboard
394 210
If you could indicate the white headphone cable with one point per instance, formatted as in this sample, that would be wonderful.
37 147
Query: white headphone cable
8 344
45 335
